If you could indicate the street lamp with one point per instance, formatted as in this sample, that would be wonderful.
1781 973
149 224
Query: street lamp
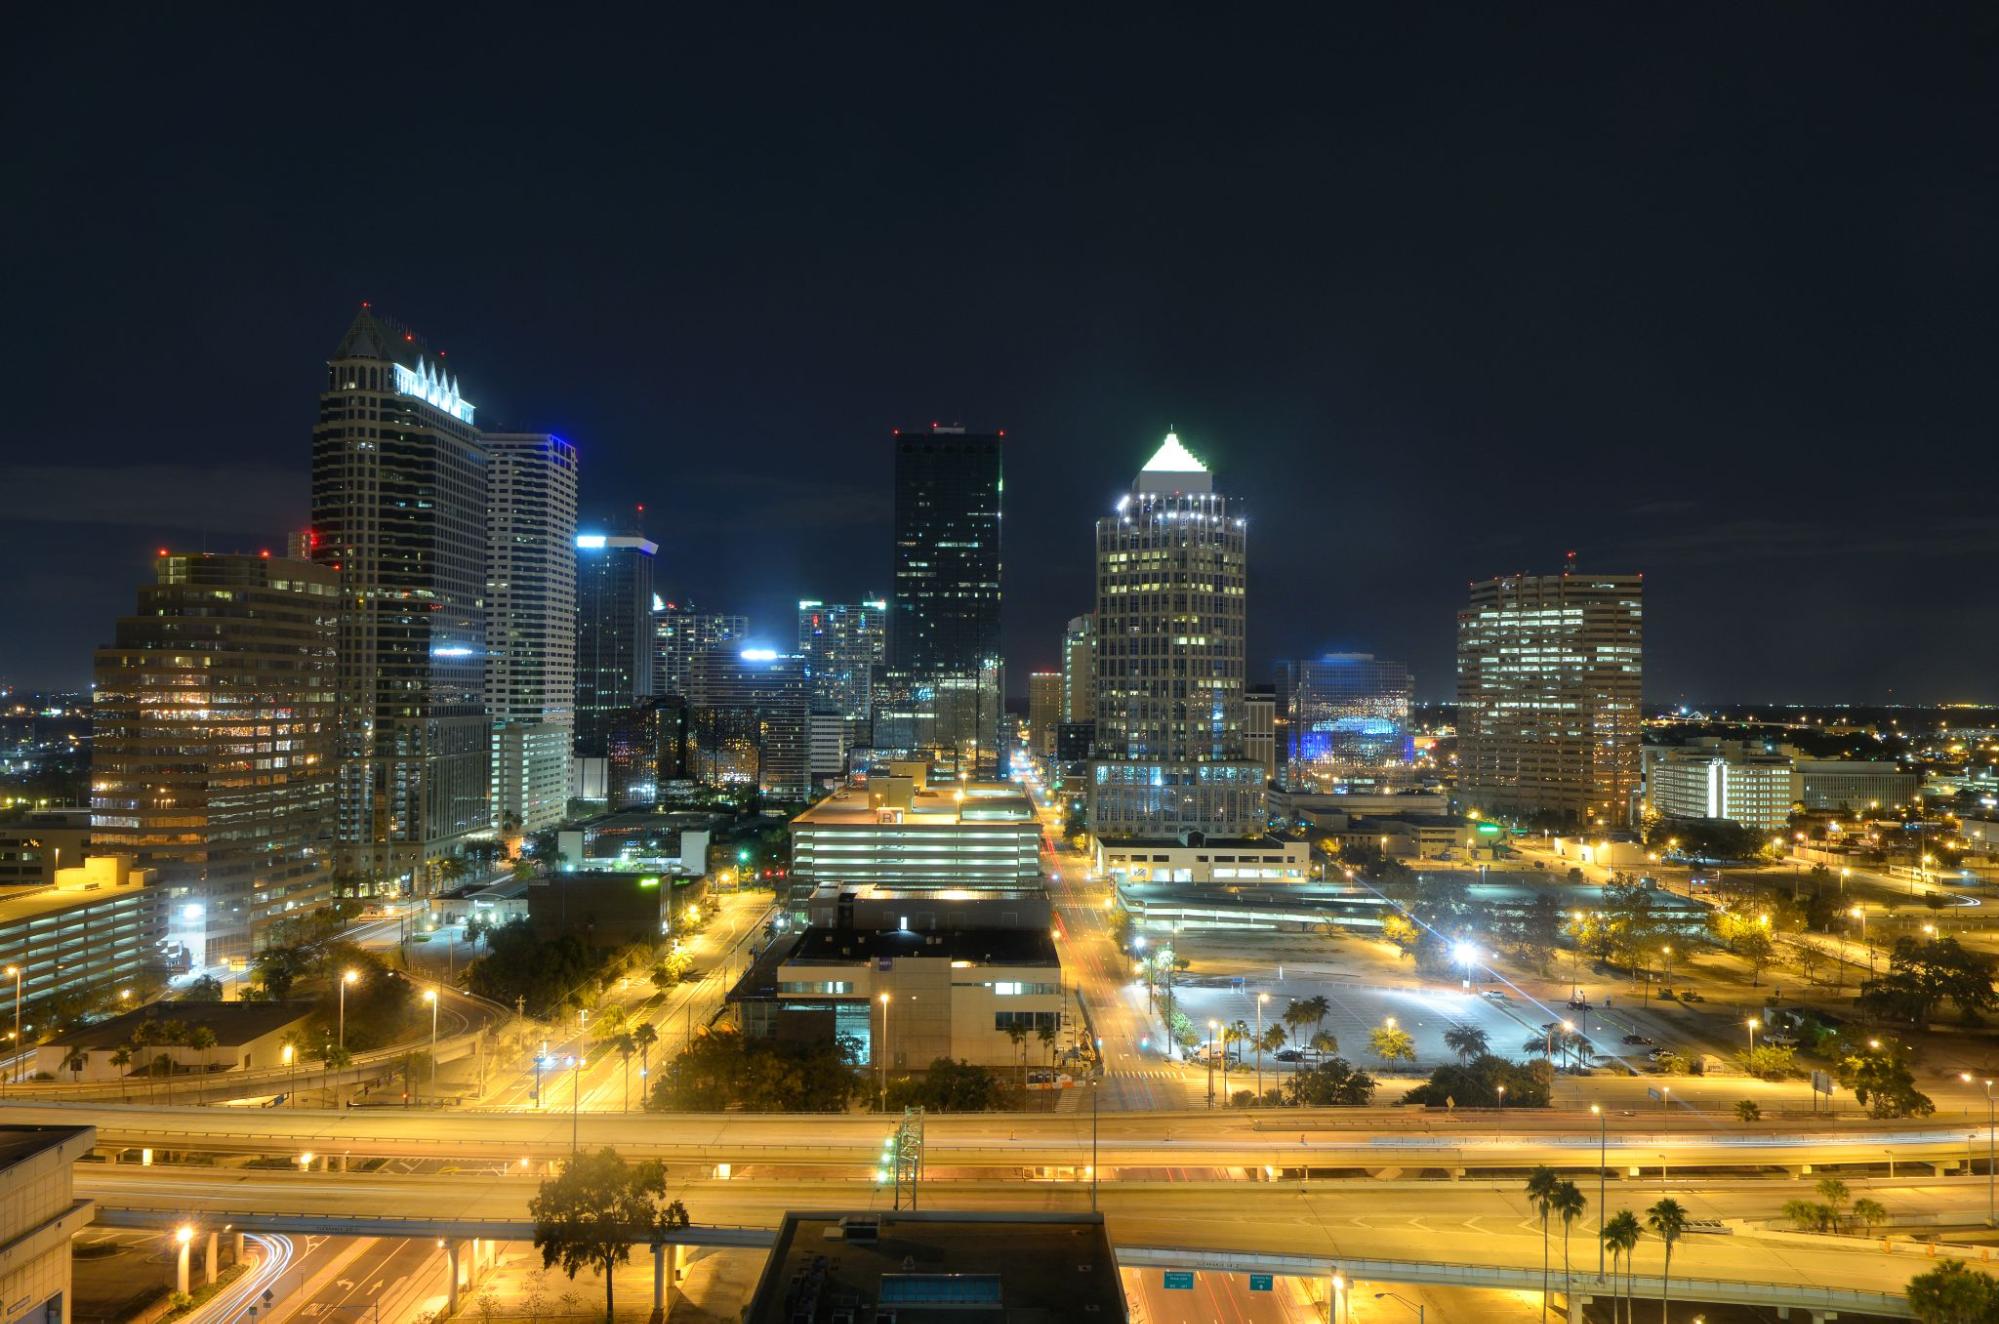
575 1065
15 971
1602 1171
430 996
286 1054
346 978
1213 1026
1416 1306
1991 1150
1261 999
184 1238
1502 1097
883 1072
1466 954
1753 1023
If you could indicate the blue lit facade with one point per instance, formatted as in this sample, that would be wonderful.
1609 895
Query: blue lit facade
1345 718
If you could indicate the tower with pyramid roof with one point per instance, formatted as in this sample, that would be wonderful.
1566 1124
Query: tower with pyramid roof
1170 762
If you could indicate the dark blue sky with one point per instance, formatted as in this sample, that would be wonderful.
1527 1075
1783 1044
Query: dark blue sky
1710 297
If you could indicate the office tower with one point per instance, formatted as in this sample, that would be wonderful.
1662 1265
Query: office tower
944 637
1079 670
1170 755
213 741
843 644
1549 679
530 625
646 748
747 721
1259 728
1345 718
681 634
614 645
1044 711
399 500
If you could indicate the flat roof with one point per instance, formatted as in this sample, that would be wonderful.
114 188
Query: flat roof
983 803
986 946
18 905
940 1268
231 1022
1212 843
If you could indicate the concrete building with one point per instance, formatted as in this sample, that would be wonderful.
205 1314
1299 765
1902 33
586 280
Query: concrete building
645 751
40 1215
97 929
1044 711
1259 728
399 499
747 721
607 910
1722 779
1224 860
214 735
1079 670
899 831
1171 567
530 625
828 737
1853 786
918 1268
249 1036
34 847
1550 672
944 634
681 634
1345 718
844 645
614 632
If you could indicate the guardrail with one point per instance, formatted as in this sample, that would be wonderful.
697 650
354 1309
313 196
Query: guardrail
376 1225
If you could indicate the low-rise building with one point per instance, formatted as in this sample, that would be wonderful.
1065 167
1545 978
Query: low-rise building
1740 782
607 909
902 832
248 1036
96 928
39 1214
1210 860
1852 786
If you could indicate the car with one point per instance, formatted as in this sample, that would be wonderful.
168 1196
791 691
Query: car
1290 1055
1494 995
1639 1039
1578 1004
1688 995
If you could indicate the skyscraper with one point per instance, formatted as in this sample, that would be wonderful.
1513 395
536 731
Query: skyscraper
681 634
1079 670
1550 673
944 636
614 644
399 495
530 625
1171 565
747 721
843 644
213 742
1345 718
1044 711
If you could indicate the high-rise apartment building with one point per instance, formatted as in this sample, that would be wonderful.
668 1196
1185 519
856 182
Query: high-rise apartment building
614 639
844 645
1550 672
1345 718
399 498
944 637
681 634
530 625
747 721
1044 711
1079 670
1259 728
213 743
1171 566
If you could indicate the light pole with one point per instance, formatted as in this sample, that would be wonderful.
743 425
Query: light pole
883 1072
1096 1087
184 1238
346 978
1261 999
1416 1306
430 996
1991 1150
1602 1171
1465 953
1753 1023
575 1065
1860 913
15 971
1212 1027
1502 1098
291 1074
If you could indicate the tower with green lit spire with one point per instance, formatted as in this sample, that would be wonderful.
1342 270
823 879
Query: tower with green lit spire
1169 759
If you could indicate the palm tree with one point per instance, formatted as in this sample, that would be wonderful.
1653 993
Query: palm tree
1622 1234
645 1036
1299 1013
1869 1213
1320 1008
1669 1219
1541 1185
1018 1033
1568 1204
1467 1041
1046 1030
626 1044
1325 1042
122 1059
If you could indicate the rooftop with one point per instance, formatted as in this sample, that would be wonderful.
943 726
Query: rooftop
939 1268
949 805
232 1022
983 946
1211 843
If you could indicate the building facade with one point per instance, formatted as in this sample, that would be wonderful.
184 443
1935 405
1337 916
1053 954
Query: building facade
944 636
214 734
898 831
99 928
1044 711
747 721
1079 670
681 634
34 846
1259 728
1171 566
399 497
844 644
1550 673
1346 721
530 626
1854 786
645 751
614 644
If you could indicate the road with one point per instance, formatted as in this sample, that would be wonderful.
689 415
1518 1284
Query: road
1465 1223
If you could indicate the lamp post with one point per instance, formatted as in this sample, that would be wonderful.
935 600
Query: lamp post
16 971
287 1054
1261 999
184 1238
1096 1087
575 1065
1753 1023
1212 1027
1416 1306
346 978
1860 913
430 996
1991 1150
1602 1172
883 1072
1502 1098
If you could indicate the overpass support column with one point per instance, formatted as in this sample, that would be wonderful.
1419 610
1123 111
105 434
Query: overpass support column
1821 1316
239 1248
180 1274
1576 1303
659 1279
212 1252
451 1249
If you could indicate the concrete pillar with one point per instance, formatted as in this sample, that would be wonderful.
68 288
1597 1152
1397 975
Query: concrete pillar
145 1158
451 1274
659 1280
209 1266
1576 1304
1783 1312
238 1248
1821 1316
180 1277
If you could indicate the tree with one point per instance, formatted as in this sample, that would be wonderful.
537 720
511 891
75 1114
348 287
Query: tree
1478 1083
948 1086
1467 1041
1881 1080
1391 1044
1332 1083
207 988
1953 1294
1835 1194
1769 1061
1621 1233
626 1045
1541 1184
645 1036
721 1069
1870 1214
1018 1034
1923 975
1299 1013
122 1059
1045 1031
588 1216
1748 1110
1324 1041
1811 1216
1668 1218
1568 1203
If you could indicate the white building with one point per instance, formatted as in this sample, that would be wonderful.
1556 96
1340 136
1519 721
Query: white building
1717 779
901 832
1215 860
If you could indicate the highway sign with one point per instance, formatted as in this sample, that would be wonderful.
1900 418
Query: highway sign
1652 1092
1178 1281
1821 1083
1261 1282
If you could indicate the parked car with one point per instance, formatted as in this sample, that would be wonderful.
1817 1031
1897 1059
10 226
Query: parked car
1494 995
1639 1039
1578 1004
1289 1055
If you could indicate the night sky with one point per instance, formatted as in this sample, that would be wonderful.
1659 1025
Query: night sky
1442 295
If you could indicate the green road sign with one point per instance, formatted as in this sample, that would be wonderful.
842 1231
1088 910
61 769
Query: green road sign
1261 1282
1177 1281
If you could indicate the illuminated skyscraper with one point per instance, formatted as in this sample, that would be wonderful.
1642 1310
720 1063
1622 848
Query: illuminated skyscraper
681 634
944 635
843 644
399 497
747 721
1170 757
530 626
614 644
1044 711
1550 673
213 742
1079 670
1345 718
